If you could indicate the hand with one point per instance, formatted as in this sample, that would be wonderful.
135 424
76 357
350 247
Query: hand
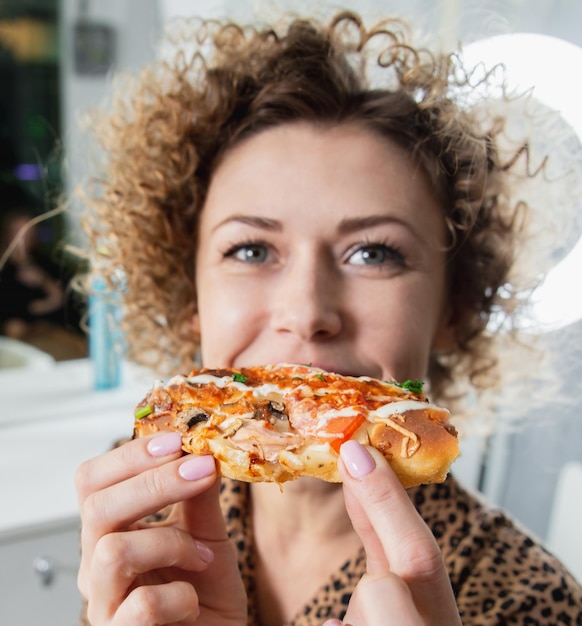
406 582
180 571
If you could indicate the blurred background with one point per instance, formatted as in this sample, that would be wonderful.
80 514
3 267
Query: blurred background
57 58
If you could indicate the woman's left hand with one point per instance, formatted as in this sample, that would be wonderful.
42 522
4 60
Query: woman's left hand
406 581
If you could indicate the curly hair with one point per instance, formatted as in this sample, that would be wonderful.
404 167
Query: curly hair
172 125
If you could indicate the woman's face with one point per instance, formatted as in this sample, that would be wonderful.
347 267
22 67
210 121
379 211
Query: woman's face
321 246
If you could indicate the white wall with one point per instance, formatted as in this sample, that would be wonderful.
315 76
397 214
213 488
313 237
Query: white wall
137 27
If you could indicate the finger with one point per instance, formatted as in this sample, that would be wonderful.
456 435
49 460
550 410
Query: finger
170 603
376 558
359 463
202 515
382 600
125 556
384 509
122 504
94 531
203 518
385 519
126 461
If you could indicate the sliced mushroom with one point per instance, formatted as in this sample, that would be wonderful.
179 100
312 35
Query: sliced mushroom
193 416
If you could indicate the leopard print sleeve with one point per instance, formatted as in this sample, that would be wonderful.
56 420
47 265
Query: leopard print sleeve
500 574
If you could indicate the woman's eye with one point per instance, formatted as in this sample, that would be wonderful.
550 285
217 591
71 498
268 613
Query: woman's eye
249 253
376 254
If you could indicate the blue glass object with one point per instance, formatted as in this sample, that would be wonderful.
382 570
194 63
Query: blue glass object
105 336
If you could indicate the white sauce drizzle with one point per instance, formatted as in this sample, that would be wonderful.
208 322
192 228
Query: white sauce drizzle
264 390
220 382
327 416
401 406
410 443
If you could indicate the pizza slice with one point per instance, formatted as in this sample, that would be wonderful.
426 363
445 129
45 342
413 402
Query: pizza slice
279 422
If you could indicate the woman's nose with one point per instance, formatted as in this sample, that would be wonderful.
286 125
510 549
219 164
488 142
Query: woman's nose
308 302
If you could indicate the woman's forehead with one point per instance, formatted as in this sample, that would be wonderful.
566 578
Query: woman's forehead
335 160
338 181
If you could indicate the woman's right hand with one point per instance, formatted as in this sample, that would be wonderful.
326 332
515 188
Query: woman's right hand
180 571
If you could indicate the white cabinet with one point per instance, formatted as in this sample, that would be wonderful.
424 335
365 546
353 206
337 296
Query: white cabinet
50 422
38 576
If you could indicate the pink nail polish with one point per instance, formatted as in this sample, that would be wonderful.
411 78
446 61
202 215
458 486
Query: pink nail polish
204 552
197 467
168 443
356 458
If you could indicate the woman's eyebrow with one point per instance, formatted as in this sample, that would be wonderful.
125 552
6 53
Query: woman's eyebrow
353 224
263 223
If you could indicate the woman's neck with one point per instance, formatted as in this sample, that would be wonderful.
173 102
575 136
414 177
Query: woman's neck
307 507
301 536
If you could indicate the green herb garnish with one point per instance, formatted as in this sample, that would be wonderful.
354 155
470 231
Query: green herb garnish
143 411
321 377
412 385
239 378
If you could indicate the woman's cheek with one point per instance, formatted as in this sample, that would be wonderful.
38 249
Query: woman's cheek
228 319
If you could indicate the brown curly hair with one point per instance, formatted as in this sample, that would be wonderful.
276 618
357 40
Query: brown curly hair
170 128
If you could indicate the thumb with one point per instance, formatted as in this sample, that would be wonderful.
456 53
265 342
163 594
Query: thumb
201 516
382 600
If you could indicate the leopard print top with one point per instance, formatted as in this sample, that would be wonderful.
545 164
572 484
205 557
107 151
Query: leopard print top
500 575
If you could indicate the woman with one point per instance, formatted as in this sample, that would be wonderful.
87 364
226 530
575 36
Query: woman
266 204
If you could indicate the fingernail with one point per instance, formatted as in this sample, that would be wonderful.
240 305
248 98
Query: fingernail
356 458
204 552
168 443
197 467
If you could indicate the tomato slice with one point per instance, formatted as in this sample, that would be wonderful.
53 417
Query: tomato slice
345 427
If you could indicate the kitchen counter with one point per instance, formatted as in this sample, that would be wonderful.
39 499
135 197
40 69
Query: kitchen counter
51 421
